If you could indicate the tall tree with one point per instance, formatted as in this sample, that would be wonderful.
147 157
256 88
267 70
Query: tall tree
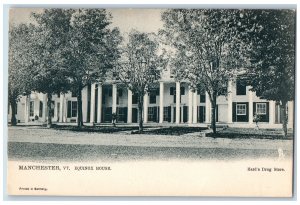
271 71
207 48
91 50
140 66
19 79
50 37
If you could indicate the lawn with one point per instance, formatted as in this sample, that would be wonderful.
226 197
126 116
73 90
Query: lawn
151 130
247 133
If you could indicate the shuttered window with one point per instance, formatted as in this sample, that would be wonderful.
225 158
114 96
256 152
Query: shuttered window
261 108
241 109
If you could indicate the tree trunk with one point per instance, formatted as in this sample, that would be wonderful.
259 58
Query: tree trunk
284 123
13 104
213 112
79 109
140 107
49 99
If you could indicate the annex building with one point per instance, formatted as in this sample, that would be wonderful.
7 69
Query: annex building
171 102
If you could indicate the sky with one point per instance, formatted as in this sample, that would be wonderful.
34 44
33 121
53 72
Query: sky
144 20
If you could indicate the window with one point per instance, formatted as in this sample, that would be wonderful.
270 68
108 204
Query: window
172 91
261 108
172 73
72 109
109 90
58 95
134 98
202 98
151 113
224 91
152 98
120 92
182 91
31 109
241 109
166 114
240 87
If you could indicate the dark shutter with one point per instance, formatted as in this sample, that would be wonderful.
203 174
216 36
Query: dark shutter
268 111
254 108
169 113
234 112
157 118
69 109
247 112
154 114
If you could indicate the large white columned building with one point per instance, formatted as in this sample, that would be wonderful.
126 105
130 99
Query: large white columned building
170 102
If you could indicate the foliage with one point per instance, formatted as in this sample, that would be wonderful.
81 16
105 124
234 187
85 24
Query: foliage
271 71
207 48
48 74
90 51
19 79
140 66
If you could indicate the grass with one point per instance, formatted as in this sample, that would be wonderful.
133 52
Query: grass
131 129
248 133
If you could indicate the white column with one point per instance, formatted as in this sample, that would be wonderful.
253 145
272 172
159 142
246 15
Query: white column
177 117
114 98
27 108
190 100
161 102
207 108
290 113
37 106
272 112
99 107
195 106
129 106
44 119
229 102
65 108
92 113
61 107
85 103
250 100
146 101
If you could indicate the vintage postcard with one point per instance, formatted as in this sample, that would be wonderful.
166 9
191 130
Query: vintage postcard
151 102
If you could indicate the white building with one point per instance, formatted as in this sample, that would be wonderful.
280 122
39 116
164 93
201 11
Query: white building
172 102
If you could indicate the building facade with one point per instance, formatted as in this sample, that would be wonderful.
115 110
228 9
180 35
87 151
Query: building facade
170 102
